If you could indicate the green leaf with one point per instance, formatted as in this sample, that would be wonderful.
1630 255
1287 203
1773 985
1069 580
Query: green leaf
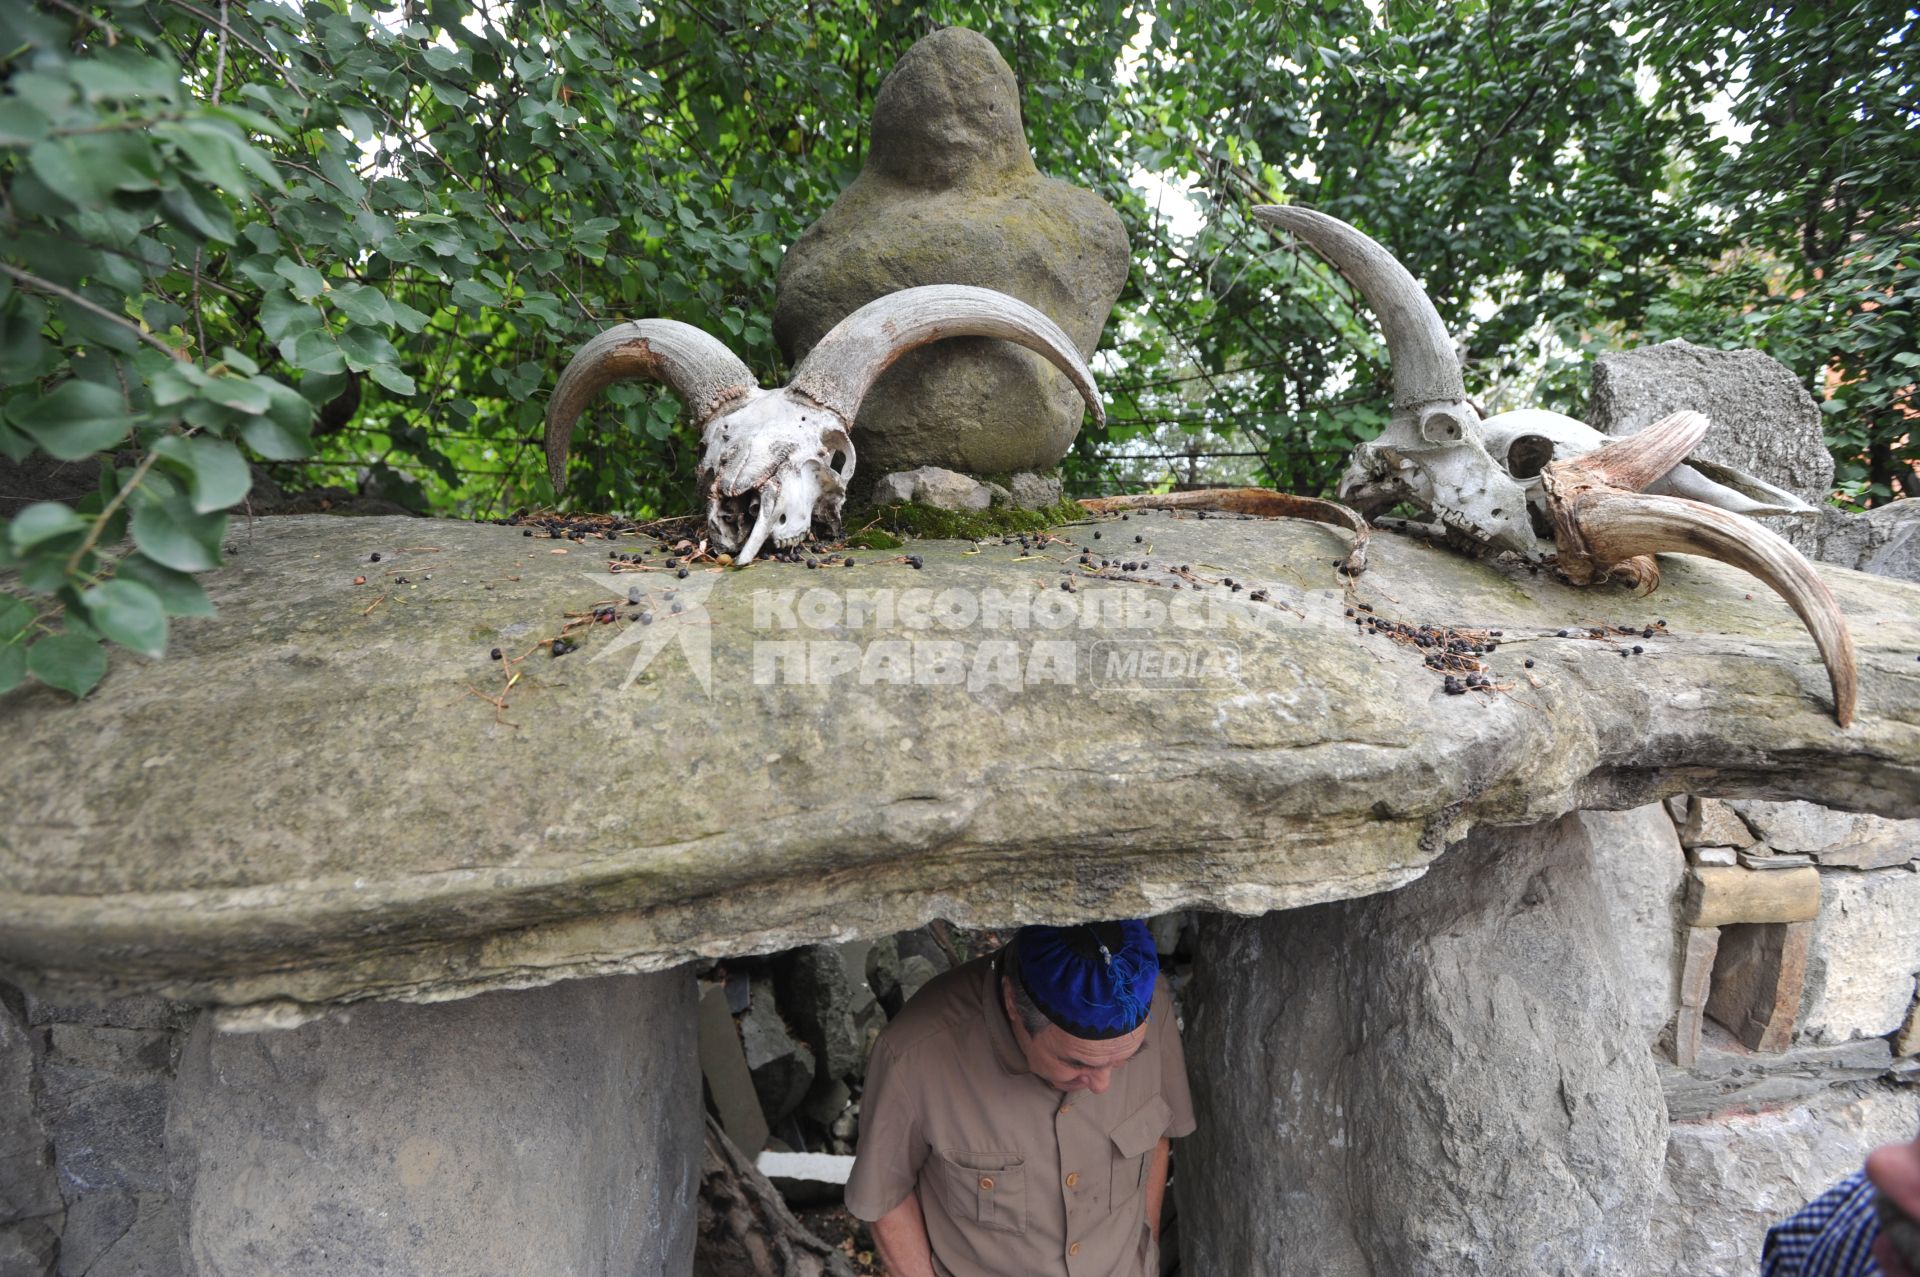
128 613
365 348
406 316
22 123
273 440
172 533
472 294
307 282
283 316
15 616
75 420
69 662
315 352
217 475
178 592
40 523
13 666
212 154
363 305
201 209
392 378
89 168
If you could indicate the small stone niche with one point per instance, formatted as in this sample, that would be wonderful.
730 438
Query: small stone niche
1745 957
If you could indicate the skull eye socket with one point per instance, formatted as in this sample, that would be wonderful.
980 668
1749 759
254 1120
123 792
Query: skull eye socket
1529 455
838 462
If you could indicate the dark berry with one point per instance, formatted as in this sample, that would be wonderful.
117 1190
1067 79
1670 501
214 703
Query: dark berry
374 557
495 654
682 574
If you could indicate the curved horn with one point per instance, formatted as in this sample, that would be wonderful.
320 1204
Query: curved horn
705 374
1425 369
839 371
1597 526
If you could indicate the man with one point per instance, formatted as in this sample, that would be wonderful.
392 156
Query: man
1018 1111
1841 1232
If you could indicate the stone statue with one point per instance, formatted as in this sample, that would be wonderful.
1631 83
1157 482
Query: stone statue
950 195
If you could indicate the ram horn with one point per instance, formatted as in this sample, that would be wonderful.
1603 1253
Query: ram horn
705 374
1425 369
1599 522
839 371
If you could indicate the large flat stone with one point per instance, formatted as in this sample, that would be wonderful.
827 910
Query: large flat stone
553 1130
305 804
1438 1082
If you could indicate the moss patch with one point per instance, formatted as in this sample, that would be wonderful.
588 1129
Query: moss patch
931 523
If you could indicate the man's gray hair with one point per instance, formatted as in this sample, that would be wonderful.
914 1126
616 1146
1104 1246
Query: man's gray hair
1032 1018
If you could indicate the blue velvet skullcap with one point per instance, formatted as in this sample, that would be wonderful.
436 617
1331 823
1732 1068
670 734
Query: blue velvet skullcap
1094 980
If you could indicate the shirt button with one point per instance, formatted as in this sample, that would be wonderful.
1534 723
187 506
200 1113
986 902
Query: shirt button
1073 1179
1074 1249
986 1182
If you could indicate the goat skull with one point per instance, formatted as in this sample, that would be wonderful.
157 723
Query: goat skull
1608 505
775 464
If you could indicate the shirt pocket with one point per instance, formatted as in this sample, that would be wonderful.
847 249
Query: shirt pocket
1132 1143
985 1189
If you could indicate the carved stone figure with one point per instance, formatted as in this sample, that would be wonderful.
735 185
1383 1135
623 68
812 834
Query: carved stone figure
950 195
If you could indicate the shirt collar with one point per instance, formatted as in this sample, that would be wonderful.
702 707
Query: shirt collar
999 1029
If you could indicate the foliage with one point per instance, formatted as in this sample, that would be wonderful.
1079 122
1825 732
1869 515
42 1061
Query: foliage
356 246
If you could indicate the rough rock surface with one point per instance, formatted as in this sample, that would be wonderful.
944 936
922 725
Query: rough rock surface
1764 421
409 843
551 1130
1837 839
1884 541
930 485
1866 952
782 1065
1641 872
1445 1079
1727 1182
1034 491
30 1205
950 195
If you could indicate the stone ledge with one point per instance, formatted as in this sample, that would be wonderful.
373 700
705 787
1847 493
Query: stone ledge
304 803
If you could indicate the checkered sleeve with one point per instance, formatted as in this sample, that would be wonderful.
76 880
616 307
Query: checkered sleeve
1831 1236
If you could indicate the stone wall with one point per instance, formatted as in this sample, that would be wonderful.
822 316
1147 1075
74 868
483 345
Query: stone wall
84 1187
550 1130
1755 1134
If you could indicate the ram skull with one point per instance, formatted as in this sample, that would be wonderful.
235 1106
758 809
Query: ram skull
775 464
1546 486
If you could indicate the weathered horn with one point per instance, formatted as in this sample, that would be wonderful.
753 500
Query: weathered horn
839 371
1425 369
705 374
1598 525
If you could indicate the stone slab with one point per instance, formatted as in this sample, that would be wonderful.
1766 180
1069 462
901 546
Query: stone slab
1712 823
553 1130
1717 896
1441 1080
724 1066
1866 953
305 803
1729 1079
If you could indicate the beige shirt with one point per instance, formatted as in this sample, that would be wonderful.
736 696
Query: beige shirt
1013 1176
